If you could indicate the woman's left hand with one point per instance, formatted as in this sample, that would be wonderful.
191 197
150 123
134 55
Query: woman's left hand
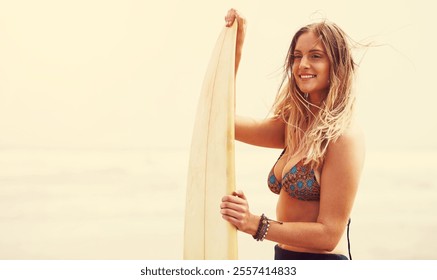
235 210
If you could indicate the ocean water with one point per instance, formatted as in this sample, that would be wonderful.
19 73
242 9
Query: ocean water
129 203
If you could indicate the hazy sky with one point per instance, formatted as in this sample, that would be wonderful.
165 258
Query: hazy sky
120 74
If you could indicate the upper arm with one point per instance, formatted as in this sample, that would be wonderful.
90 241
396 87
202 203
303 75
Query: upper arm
266 133
339 182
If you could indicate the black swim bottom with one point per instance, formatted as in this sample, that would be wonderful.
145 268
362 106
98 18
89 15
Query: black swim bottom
281 254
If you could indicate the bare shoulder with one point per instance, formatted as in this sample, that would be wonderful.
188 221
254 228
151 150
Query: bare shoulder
349 146
354 135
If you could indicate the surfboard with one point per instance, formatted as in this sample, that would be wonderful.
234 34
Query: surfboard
211 169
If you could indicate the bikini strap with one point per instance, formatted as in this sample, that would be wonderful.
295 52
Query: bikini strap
283 152
348 240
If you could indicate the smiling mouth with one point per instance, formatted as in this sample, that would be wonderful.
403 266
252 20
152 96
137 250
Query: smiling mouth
307 76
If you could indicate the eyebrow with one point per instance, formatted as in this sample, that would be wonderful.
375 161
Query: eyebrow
312 50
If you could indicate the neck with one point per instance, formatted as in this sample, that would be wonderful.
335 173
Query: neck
316 99
315 102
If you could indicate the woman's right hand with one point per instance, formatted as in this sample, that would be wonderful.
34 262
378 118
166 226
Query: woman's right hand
230 17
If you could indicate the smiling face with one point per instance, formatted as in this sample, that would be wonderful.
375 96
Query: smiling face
310 65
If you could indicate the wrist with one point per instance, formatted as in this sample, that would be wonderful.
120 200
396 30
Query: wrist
254 221
263 228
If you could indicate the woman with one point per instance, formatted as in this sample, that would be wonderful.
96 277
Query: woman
317 174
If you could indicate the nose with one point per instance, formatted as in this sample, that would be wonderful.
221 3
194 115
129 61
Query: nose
304 63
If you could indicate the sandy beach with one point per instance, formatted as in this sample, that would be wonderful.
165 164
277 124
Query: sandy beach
129 204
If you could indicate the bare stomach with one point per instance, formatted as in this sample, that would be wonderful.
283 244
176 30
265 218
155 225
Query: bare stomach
290 209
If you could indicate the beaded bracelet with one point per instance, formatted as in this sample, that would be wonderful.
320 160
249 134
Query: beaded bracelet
263 228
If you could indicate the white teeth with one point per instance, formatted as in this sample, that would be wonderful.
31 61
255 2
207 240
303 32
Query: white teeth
307 76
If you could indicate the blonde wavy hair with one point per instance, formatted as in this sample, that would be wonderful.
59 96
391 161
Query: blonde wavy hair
311 136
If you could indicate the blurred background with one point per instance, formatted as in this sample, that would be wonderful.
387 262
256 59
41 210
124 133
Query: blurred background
97 105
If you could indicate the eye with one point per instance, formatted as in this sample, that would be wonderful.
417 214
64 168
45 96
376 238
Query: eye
295 57
316 56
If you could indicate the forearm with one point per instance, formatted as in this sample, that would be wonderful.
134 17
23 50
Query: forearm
310 235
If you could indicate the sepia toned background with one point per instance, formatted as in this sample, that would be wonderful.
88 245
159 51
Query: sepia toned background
97 104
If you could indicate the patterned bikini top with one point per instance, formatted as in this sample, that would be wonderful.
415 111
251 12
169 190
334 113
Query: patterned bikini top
300 182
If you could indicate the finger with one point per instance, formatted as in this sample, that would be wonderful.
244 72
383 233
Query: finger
236 207
232 213
233 221
230 17
233 199
240 194
229 219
